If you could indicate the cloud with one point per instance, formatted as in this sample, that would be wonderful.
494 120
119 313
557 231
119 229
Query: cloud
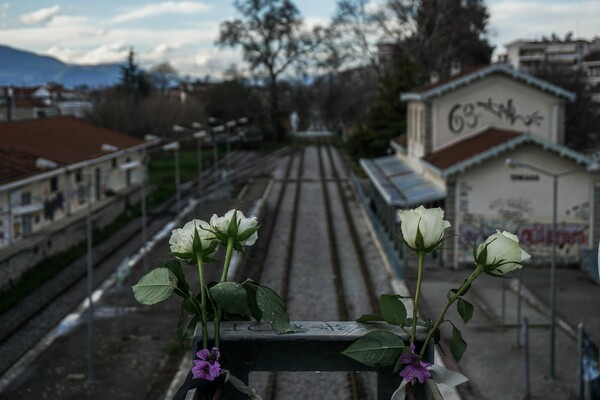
4 9
41 15
167 7
532 19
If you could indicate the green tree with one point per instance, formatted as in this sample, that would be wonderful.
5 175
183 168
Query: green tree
450 31
271 38
133 79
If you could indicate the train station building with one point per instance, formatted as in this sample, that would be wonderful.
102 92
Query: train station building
460 133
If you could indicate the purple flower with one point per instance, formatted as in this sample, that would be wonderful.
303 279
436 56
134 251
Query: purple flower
415 368
207 366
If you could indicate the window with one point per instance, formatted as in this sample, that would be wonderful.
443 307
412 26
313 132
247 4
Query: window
78 176
54 184
114 163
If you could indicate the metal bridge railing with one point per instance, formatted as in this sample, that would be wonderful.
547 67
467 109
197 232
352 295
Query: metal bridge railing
253 346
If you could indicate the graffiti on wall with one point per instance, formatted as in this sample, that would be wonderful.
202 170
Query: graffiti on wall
467 115
512 214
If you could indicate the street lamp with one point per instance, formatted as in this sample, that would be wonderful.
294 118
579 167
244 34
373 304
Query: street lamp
592 167
228 126
144 165
174 147
215 130
200 135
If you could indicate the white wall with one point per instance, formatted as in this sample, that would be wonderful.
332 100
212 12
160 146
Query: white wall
488 199
464 111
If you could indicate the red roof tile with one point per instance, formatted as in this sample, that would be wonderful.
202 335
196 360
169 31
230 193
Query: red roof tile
16 164
64 140
469 147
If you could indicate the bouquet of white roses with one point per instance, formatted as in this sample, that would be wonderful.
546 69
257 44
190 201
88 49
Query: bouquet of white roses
423 232
196 244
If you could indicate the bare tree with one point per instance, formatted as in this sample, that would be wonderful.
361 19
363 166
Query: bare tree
162 75
271 37
357 32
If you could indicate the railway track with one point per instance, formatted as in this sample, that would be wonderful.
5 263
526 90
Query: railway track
30 320
315 260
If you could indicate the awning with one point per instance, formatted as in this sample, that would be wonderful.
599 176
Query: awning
398 184
27 209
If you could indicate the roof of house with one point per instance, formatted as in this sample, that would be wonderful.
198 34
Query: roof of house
63 140
488 144
477 73
469 147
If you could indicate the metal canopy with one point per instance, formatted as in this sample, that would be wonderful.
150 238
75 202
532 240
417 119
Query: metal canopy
398 184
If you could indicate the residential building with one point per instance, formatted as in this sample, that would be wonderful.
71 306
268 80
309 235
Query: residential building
20 103
533 55
460 132
52 167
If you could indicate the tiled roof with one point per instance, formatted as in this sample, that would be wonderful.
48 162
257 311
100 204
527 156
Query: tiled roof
15 164
63 140
469 147
492 143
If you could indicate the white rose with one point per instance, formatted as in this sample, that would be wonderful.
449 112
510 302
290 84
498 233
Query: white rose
182 239
221 225
429 222
503 253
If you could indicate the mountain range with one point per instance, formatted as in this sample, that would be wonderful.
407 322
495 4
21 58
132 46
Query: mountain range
24 68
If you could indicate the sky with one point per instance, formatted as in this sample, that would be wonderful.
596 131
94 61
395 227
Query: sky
183 32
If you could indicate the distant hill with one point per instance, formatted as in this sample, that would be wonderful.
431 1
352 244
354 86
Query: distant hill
23 68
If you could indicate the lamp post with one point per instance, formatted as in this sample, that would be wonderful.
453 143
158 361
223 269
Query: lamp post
144 167
174 147
215 131
199 136
228 126
592 167
90 283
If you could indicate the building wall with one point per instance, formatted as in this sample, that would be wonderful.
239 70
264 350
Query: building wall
416 129
496 101
64 196
520 201
13 265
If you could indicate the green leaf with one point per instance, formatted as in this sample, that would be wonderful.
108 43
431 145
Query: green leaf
452 292
191 327
437 336
230 297
273 309
369 318
232 229
376 349
155 286
183 256
196 243
175 267
457 344
392 309
465 309
248 284
246 234
419 242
